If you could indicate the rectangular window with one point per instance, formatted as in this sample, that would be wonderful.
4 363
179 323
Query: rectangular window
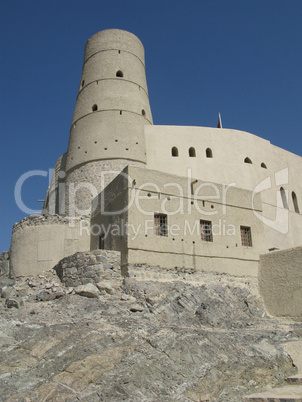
160 225
102 242
246 236
206 230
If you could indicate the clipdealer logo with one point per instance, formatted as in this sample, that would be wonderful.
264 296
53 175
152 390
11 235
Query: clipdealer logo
281 221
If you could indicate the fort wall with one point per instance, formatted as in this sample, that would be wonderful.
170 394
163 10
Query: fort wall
132 215
86 181
55 198
238 158
229 149
39 242
280 282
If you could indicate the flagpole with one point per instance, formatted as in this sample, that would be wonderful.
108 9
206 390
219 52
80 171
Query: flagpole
219 125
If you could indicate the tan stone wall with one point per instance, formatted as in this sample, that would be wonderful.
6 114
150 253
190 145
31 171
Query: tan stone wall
55 198
283 227
280 282
226 209
39 242
97 175
110 216
198 263
150 192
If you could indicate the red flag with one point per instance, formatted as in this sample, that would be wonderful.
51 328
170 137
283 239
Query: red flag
219 125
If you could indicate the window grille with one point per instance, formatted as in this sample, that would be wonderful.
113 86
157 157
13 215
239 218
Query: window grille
160 225
246 236
206 230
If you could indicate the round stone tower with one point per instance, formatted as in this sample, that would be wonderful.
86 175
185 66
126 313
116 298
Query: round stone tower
112 108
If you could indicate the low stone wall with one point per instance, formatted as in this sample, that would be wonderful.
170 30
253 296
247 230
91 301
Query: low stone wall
6 277
47 219
89 267
40 242
280 282
4 263
145 272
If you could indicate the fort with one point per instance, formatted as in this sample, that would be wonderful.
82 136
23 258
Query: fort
174 197
161 258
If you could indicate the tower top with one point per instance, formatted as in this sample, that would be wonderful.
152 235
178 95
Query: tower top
114 39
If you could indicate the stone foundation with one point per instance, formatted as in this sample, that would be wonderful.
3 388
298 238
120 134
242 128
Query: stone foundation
89 267
145 272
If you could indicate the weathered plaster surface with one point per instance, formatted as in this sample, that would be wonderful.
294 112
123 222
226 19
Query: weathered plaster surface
39 242
127 216
280 282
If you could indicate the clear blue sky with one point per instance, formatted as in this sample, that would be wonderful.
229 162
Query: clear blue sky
242 58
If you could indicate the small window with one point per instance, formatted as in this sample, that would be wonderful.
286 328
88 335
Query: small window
284 198
160 225
143 112
295 202
246 236
206 230
209 153
119 73
247 160
83 82
192 152
174 151
94 108
263 165
121 112
102 242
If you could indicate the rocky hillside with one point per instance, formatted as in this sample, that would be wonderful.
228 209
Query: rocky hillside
127 339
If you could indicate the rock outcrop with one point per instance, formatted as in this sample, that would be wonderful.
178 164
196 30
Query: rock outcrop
146 340
89 267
